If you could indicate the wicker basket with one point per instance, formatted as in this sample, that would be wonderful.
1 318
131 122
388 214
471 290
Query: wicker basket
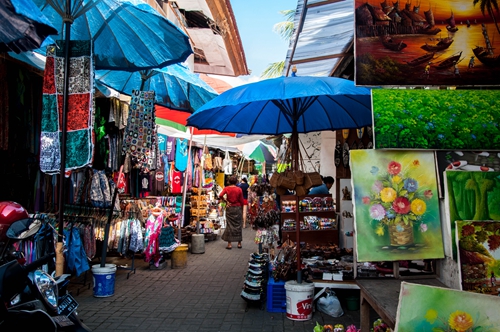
400 234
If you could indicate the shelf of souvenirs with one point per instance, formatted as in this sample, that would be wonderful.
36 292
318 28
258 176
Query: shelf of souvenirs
308 204
310 223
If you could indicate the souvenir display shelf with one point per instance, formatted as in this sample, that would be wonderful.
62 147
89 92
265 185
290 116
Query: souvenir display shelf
317 216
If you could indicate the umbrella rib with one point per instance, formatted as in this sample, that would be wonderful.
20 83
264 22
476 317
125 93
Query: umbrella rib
349 114
107 20
258 115
284 111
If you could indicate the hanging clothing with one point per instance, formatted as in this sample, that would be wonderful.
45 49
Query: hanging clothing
176 182
181 154
170 151
162 142
80 102
168 242
75 256
138 138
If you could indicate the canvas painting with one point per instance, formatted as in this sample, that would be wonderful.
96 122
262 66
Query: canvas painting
430 308
416 43
484 161
478 245
436 119
396 205
470 196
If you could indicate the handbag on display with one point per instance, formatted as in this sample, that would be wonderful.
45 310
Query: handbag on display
227 164
207 159
287 180
274 180
218 163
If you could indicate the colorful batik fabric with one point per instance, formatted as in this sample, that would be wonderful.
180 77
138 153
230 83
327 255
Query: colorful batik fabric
139 136
80 117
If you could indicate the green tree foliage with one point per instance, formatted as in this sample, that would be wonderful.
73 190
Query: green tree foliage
285 29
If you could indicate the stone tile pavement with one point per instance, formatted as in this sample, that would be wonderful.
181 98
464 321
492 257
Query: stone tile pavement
203 296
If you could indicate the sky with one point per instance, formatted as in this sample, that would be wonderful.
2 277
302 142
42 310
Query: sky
255 20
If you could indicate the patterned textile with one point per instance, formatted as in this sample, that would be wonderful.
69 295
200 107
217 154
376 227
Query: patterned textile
139 137
79 139
234 219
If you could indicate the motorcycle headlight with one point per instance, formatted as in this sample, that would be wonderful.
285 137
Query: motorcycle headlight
47 287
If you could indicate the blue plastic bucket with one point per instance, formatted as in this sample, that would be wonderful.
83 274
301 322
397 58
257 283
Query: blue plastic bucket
104 280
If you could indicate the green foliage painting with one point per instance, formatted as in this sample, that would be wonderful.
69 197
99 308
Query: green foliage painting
429 308
436 119
479 256
471 196
396 205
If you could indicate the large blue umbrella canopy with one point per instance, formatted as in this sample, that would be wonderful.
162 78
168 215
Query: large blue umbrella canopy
127 34
175 86
24 27
287 105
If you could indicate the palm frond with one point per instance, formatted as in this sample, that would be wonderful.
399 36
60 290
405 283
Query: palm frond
274 69
285 29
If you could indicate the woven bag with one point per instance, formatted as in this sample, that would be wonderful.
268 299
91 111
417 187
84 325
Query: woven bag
300 190
315 179
274 180
299 177
287 180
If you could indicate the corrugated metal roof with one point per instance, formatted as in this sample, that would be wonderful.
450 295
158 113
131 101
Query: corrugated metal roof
323 38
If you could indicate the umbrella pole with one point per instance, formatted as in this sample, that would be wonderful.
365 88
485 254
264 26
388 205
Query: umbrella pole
59 245
184 188
295 164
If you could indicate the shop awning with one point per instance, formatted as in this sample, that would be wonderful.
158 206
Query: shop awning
323 38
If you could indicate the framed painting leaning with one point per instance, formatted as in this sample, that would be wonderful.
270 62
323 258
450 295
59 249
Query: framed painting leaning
396 206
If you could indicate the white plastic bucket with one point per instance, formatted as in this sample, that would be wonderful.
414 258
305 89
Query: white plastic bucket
299 300
104 280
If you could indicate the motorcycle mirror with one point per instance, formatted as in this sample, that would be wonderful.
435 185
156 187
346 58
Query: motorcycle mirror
23 228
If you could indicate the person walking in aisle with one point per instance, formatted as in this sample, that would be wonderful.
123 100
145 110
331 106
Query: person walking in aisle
244 188
233 196
324 188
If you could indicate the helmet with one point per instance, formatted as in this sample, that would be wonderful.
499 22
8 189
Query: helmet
9 213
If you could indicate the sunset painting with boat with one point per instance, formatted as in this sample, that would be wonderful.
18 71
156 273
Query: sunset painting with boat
427 43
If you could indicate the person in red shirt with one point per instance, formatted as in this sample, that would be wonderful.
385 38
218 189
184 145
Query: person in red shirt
233 196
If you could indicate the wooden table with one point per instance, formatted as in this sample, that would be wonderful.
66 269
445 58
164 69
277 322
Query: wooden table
383 296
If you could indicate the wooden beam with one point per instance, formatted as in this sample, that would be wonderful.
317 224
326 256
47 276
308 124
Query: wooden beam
326 2
319 58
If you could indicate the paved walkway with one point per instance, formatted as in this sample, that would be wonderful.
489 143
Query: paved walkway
203 296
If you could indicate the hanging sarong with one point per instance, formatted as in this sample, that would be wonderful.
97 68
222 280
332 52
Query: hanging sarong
139 135
79 145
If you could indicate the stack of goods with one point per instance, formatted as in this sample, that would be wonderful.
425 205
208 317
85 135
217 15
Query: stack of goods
256 278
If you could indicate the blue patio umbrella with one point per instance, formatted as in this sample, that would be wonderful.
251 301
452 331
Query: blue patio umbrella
283 105
126 34
24 27
175 86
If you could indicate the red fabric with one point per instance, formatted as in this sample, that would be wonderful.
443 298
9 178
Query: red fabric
180 117
176 181
78 111
245 201
234 195
49 84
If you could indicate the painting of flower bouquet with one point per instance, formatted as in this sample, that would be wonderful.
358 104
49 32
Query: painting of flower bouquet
430 308
395 205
